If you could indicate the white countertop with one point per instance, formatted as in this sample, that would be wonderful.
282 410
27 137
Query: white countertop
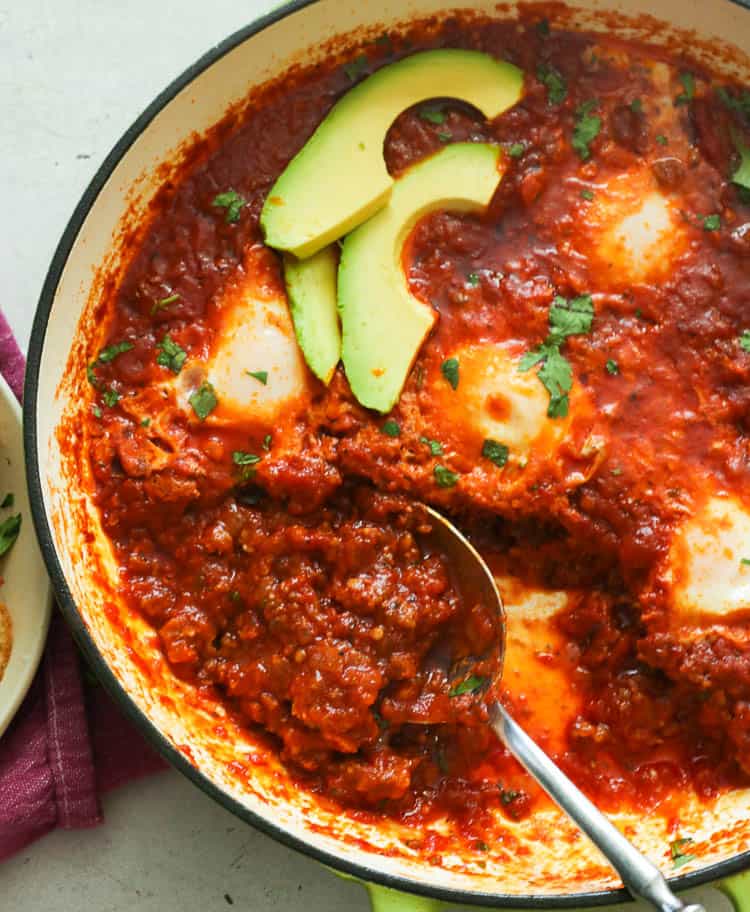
74 74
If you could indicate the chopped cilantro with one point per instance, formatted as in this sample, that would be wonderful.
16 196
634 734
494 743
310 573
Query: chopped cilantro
170 355
662 139
432 115
8 501
240 458
617 471
471 685
96 411
612 367
145 422
9 530
92 378
445 136
587 194
111 397
165 302
444 477
260 376
680 858
508 796
741 176
496 452
636 105
106 355
745 562
745 340
449 370
230 201
688 84
739 103
267 442
435 447
566 318
553 81
516 150
481 846
203 400
586 129
391 428
355 68
712 222
473 279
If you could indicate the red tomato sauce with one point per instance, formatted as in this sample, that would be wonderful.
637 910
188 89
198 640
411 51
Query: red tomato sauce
294 586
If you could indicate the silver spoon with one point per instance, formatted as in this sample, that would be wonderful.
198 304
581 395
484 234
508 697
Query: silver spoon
475 582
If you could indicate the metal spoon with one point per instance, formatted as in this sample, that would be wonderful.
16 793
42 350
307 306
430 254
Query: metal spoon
642 878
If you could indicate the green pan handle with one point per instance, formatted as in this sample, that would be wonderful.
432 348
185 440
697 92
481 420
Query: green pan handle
737 890
385 900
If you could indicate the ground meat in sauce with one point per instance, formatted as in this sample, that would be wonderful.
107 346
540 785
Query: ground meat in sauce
297 588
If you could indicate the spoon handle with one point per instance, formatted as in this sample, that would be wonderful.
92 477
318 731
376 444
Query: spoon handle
640 876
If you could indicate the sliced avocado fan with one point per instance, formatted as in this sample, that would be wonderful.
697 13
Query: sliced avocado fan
383 324
339 179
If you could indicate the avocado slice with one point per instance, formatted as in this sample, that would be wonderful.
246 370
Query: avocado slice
311 286
383 324
339 179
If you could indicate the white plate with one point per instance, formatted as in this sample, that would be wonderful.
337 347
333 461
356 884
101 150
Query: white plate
25 590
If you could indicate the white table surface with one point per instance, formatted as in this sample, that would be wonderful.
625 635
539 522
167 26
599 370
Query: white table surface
73 75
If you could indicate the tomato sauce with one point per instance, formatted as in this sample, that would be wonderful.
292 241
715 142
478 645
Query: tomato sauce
291 582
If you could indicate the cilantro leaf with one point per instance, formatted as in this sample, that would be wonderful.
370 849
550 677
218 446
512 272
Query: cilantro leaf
108 354
516 150
444 477
170 355
745 562
612 367
471 685
445 136
636 106
267 442
739 103
260 376
164 302
680 858
449 370
432 115
553 81
496 452
203 400
570 318
662 139
586 129
111 397
391 428
240 458
8 501
741 176
473 279
97 412
436 448
355 68
688 84
587 194
711 222
230 201
745 340
9 530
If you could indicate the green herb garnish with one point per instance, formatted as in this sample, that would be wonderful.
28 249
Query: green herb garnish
554 83
108 354
586 129
566 318
508 796
472 279
111 397
496 452
712 222
444 477
739 103
9 530
445 136
741 176
432 115
145 422
612 367
745 340
170 355
680 858
745 562
471 685
240 458
8 501
435 447
267 442
232 203
96 411
662 139
449 370
636 105
688 84
203 400
355 68
391 428
260 376
516 150
165 302
587 195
